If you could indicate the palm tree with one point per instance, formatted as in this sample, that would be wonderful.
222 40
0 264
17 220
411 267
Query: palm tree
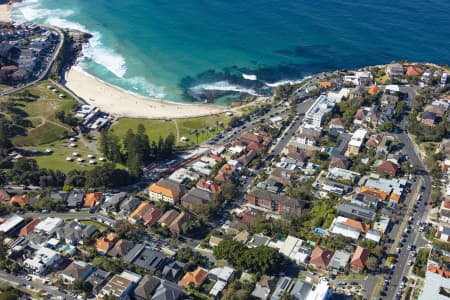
197 133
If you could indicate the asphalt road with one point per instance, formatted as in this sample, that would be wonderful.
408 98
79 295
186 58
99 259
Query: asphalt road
19 281
293 127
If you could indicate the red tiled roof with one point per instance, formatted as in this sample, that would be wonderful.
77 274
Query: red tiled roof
320 257
414 71
29 227
360 257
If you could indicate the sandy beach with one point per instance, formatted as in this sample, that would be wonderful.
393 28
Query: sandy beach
5 12
121 103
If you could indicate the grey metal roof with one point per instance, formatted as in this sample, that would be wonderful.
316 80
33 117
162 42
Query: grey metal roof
357 211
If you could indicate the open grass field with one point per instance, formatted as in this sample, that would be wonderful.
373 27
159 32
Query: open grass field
41 112
57 159
205 126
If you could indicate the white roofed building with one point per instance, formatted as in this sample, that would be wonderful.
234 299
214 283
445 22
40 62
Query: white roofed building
42 259
356 142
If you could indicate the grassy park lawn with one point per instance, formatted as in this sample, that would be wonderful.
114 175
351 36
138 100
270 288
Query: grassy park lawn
41 112
57 159
186 127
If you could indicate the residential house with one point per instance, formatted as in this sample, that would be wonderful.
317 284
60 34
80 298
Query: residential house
168 217
242 237
176 226
129 205
382 224
222 276
145 212
194 278
146 287
105 243
444 211
120 286
339 260
373 235
98 279
258 240
19 200
443 233
93 199
394 70
168 291
264 287
330 186
48 226
75 198
342 175
387 168
41 260
336 123
321 257
29 227
365 200
74 233
374 141
77 270
184 176
437 109
196 197
373 192
437 283
306 139
301 290
414 71
121 248
133 253
358 262
280 176
351 210
374 90
429 118
356 141
246 158
348 227
12 225
150 260
227 173
210 186
325 84
4 196
274 202
214 241
173 271
166 190
112 202
283 286
340 161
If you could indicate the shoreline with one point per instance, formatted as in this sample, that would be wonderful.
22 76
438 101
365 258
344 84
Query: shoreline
121 103
5 12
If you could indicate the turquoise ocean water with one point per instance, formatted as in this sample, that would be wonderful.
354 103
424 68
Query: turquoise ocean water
199 49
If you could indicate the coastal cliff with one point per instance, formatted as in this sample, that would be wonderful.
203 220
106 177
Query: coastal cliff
71 51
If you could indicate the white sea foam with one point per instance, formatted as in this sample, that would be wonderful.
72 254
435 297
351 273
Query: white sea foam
29 10
142 84
281 82
223 86
249 76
